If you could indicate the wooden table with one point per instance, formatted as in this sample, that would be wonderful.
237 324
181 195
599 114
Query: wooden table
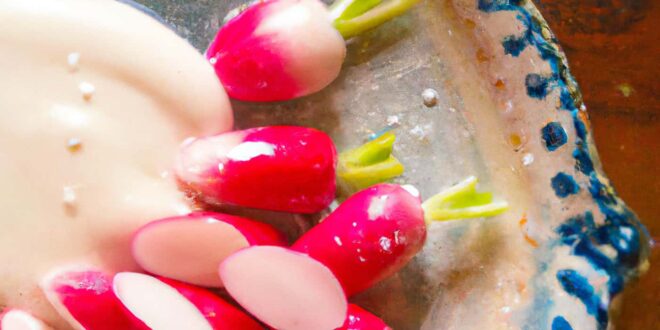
613 47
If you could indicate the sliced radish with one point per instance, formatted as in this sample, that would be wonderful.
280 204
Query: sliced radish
360 319
189 248
277 168
219 313
84 298
15 319
157 304
284 289
369 237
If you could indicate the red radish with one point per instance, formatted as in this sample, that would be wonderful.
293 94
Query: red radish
277 50
360 319
369 237
277 168
219 313
84 298
284 289
189 248
15 319
157 304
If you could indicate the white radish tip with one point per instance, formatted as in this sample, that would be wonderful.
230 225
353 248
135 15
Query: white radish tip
285 289
157 304
20 320
411 189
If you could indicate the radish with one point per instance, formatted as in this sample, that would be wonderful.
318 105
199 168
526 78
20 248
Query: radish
360 319
84 298
157 304
277 50
189 248
369 237
15 319
285 289
219 313
277 168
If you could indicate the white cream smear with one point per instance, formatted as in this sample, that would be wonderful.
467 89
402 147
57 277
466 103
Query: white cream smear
126 90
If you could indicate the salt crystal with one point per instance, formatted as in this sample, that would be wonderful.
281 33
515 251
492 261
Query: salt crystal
393 120
430 97
68 196
528 159
73 59
87 90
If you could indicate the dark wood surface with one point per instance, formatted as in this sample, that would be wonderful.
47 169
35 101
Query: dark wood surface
613 48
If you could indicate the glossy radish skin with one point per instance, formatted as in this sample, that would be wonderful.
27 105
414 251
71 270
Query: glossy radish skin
189 248
84 297
219 313
369 237
157 304
360 319
277 168
14 319
277 50
284 289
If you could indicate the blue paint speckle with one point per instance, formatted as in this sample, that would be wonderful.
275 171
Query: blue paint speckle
564 185
537 85
577 285
560 323
554 135
583 161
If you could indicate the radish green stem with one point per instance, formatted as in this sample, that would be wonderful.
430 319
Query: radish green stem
347 9
462 201
352 17
368 164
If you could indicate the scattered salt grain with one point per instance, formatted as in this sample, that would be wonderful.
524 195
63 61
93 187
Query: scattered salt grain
87 90
430 97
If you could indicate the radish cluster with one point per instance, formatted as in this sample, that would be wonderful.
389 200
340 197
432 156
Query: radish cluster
274 50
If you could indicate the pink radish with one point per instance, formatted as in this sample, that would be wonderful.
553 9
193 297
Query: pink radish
360 319
284 289
189 248
15 319
277 168
157 304
219 313
277 50
84 297
369 237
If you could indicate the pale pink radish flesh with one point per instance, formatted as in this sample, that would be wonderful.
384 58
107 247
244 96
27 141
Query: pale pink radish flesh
187 249
284 289
83 297
19 320
157 304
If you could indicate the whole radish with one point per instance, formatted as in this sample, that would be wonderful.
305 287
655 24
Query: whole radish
370 236
190 247
360 319
219 313
277 168
15 319
277 50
